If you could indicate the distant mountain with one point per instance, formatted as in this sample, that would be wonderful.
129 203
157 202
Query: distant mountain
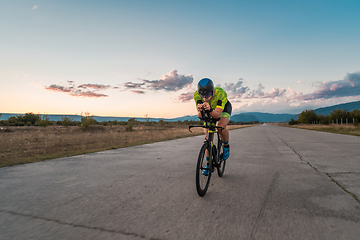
242 117
55 117
188 117
348 106
271 117
250 117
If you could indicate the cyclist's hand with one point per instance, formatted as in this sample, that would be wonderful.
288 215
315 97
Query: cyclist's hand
206 106
200 107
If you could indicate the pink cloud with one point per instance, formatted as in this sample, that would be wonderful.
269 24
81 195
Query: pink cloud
57 88
138 91
349 86
94 86
171 81
79 90
186 97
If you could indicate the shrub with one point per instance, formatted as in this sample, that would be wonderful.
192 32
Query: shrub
4 123
161 122
87 121
44 121
129 127
293 122
307 116
66 121
30 118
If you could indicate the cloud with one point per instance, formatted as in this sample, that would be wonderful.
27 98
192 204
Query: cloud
349 86
276 92
236 90
90 94
81 90
171 81
185 97
132 85
58 88
94 86
138 91
281 100
35 7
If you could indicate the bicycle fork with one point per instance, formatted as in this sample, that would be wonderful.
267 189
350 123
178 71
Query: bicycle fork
210 150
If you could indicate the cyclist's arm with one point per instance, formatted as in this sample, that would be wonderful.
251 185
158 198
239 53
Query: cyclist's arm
199 107
222 99
215 113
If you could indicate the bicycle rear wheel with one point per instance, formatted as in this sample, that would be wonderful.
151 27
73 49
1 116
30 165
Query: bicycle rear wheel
202 181
221 162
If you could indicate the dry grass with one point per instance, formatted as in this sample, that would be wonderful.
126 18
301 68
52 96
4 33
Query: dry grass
20 145
340 129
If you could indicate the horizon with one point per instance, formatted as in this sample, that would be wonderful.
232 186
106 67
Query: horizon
144 117
125 58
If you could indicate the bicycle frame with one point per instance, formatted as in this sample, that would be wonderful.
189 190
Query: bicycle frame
212 129
215 158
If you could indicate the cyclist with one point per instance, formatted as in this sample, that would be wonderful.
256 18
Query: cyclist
214 101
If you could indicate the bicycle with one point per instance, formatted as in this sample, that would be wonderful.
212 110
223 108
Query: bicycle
215 154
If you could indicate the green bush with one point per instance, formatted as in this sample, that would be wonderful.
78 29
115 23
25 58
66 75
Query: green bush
161 122
307 116
293 122
4 123
43 122
30 118
87 121
129 127
66 121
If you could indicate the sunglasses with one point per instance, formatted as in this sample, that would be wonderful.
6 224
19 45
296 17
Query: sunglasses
206 95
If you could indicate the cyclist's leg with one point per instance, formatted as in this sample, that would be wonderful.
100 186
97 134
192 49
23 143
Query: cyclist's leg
206 131
224 134
205 172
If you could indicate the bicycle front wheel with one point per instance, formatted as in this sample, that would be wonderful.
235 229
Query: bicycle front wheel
202 180
221 166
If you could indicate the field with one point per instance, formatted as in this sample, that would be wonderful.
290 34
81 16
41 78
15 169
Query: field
332 128
19 145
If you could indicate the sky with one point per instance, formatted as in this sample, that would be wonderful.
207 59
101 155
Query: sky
139 57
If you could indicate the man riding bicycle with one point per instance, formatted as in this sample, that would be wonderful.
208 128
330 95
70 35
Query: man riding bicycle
214 101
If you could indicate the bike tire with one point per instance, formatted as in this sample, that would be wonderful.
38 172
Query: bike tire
221 162
202 181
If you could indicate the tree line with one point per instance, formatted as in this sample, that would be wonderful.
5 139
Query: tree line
31 119
335 117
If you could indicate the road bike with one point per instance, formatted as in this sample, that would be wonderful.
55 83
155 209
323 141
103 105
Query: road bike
215 154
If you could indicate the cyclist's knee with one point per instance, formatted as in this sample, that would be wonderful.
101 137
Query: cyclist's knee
222 124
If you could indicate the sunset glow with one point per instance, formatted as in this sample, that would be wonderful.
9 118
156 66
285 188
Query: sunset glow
132 58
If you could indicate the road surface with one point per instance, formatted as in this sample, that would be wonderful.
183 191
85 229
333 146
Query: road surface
279 183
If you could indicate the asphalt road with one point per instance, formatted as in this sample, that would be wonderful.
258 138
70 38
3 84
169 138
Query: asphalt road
279 183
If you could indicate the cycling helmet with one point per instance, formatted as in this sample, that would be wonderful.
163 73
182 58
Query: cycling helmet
205 86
